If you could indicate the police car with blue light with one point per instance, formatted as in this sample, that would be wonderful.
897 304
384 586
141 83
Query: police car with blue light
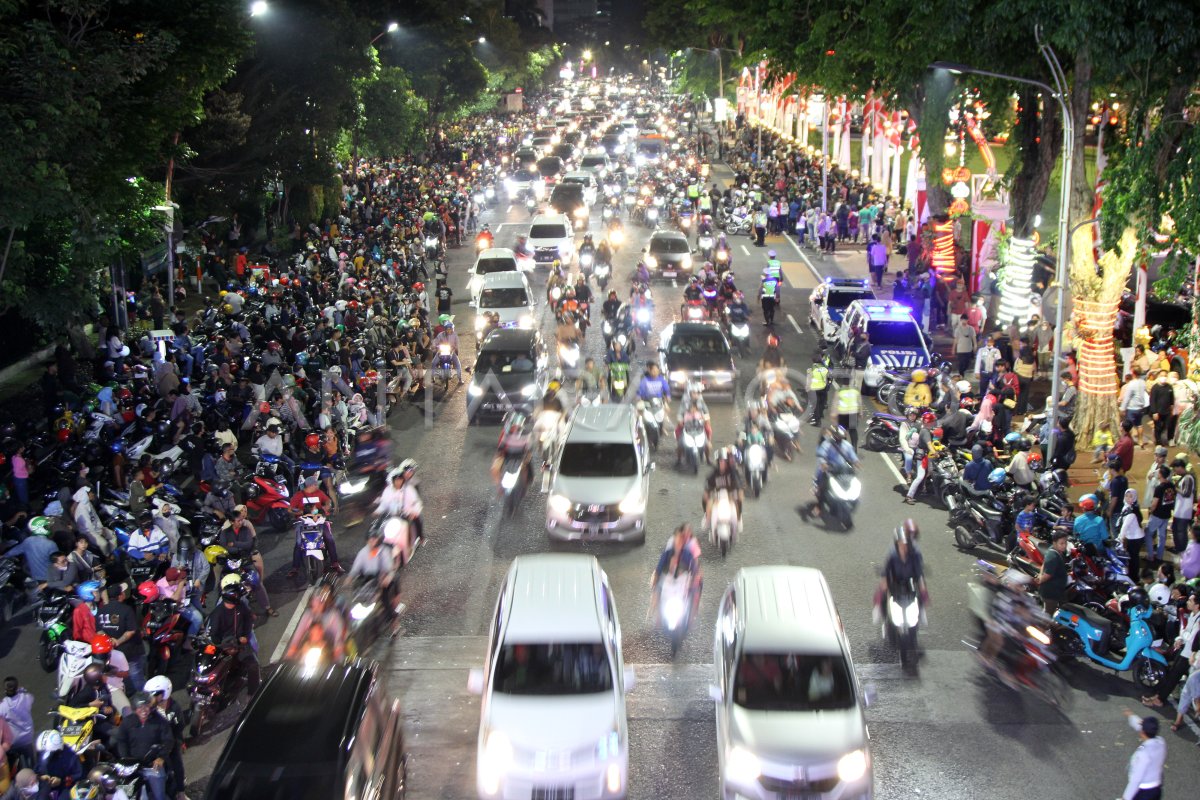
897 343
828 302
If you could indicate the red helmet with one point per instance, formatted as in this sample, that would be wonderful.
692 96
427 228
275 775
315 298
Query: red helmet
772 340
274 346
354 304
312 440
928 418
1087 503
418 286
148 590
1034 461
124 394
283 280
102 644
264 407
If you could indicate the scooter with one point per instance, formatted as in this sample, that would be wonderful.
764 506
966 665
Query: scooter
163 628
311 535
76 656
723 521
210 687
398 535
443 364
653 414
739 332
693 440
1084 632
53 620
618 379
78 728
787 432
883 432
602 272
841 498
979 520
514 480
903 604
267 500
675 607
756 467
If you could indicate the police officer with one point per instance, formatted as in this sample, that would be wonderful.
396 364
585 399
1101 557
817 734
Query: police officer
848 399
818 387
768 295
774 268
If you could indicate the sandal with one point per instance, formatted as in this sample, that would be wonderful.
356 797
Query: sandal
272 612
1175 726
1152 702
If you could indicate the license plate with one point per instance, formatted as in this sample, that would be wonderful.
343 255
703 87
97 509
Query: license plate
800 796
553 793
595 509
669 273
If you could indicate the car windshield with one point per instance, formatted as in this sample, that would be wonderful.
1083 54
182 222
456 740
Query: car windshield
503 297
504 361
549 167
553 669
649 148
669 244
487 266
697 344
894 333
567 194
524 175
792 682
597 460
591 162
843 299
548 231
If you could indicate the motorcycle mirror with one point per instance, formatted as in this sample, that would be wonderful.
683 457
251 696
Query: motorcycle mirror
869 694
715 693
630 680
475 681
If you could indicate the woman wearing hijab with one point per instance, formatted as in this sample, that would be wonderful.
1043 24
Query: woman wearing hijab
1130 532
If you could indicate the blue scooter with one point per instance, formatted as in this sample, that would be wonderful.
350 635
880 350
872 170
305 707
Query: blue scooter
1084 632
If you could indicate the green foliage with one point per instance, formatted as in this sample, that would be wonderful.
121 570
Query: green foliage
392 117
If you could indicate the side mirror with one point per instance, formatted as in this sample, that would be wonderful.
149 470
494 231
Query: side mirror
715 693
475 681
869 695
630 680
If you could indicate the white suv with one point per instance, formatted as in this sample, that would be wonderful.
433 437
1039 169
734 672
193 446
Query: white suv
551 237
552 721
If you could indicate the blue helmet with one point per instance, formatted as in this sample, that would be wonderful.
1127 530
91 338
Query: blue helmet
996 477
87 590
1012 438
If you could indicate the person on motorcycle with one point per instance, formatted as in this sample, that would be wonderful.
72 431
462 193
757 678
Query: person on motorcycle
374 563
583 295
522 249
728 289
447 336
241 542
692 293
693 397
736 308
654 384
484 239
91 691
917 393
160 689
402 498
904 563
909 434
173 585
587 247
231 624
1089 528
922 448
58 766
679 554
324 613
148 542
772 357
104 780
146 736
642 273
724 475
314 451
516 433
975 474
611 306
835 454
692 415
1021 468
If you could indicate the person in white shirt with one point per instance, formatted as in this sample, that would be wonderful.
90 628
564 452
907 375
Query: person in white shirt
1134 400
1144 777
402 497
87 522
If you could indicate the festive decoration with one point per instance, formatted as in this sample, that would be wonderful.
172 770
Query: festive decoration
942 257
1019 258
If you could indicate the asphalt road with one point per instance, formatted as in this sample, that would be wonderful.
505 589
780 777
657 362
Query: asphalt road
946 734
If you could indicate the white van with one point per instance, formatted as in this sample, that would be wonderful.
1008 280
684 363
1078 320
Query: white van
790 719
551 238
506 294
490 261
552 720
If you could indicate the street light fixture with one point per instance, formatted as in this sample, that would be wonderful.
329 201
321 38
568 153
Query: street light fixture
391 28
259 7
1060 94
482 40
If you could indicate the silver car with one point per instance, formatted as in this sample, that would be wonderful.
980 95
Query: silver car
789 714
601 476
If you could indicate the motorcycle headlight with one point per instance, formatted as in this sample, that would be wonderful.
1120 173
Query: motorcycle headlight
480 323
581 213
686 262
742 766
559 504
677 376
852 766
529 391
361 611
509 185
616 236
508 480
673 612
352 487
912 613
633 503
643 315
474 390
651 261
489 193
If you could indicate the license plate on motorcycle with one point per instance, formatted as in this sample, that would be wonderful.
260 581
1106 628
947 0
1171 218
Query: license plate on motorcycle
800 796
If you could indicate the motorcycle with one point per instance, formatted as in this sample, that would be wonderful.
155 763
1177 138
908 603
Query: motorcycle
1085 633
841 498
787 433
77 726
443 364
268 500
311 536
568 356
675 607
513 482
756 467
618 379
76 656
695 310
602 272
586 260
642 319
653 414
399 535
723 521
900 623
211 688
705 244
722 259
433 248
482 242
979 520
164 628
693 440
739 332
883 432
54 622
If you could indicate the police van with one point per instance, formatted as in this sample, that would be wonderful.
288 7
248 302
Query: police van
897 343
828 303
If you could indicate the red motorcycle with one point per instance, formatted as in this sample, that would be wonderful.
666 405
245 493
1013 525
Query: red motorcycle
164 629
696 310
268 500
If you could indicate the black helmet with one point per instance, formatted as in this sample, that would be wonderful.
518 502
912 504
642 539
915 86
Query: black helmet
1079 567
1138 597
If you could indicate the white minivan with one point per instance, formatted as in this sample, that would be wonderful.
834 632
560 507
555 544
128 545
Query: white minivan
552 720
507 295
491 261
552 238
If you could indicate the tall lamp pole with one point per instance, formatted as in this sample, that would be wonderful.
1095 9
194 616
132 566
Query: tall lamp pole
1060 93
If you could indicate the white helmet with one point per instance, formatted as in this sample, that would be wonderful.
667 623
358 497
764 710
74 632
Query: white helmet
335 371
340 305
1160 595
159 684
49 741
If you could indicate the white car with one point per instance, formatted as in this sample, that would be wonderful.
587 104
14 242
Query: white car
587 180
490 261
552 719
828 302
551 238
507 295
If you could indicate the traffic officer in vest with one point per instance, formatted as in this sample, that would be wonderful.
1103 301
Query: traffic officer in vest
818 388
693 192
705 204
774 267
848 399
768 296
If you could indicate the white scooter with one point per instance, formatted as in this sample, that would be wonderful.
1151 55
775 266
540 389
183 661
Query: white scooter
723 522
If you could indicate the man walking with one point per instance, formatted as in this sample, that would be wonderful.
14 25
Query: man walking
1144 781
877 258
964 345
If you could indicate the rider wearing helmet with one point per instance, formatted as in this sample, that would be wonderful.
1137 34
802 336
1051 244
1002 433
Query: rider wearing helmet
772 357
83 617
724 475
145 737
323 614
682 553
148 542
159 688
975 474
57 764
402 497
918 393
1089 527
447 336
231 624
1020 465
903 564
834 454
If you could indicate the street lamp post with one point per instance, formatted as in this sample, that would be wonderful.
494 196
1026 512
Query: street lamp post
824 152
1060 94
391 28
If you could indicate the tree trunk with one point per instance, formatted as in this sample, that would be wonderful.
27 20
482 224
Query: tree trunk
1098 386
1082 191
1039 137
929 106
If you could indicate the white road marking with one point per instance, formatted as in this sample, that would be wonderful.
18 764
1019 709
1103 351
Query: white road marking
509 209
674 285
744 250
804 258
795 324
293 623
892 466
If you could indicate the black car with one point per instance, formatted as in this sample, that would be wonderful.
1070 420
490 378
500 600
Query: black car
510 372
551 169
697 352
315 734
568 198
612 144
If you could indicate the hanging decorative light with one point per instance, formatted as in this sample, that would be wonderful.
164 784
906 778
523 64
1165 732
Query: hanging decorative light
942 257
1018 282
1095 323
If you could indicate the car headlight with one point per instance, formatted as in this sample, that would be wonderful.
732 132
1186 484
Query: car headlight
529 391
651 261
686 261
495 761
742 766
480 323
526 321
581 212
539 189
720 377
678 376
559 504
474 390
634 502
852 766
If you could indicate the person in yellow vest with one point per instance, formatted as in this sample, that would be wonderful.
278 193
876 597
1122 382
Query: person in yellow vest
818 388
918 394
848 401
